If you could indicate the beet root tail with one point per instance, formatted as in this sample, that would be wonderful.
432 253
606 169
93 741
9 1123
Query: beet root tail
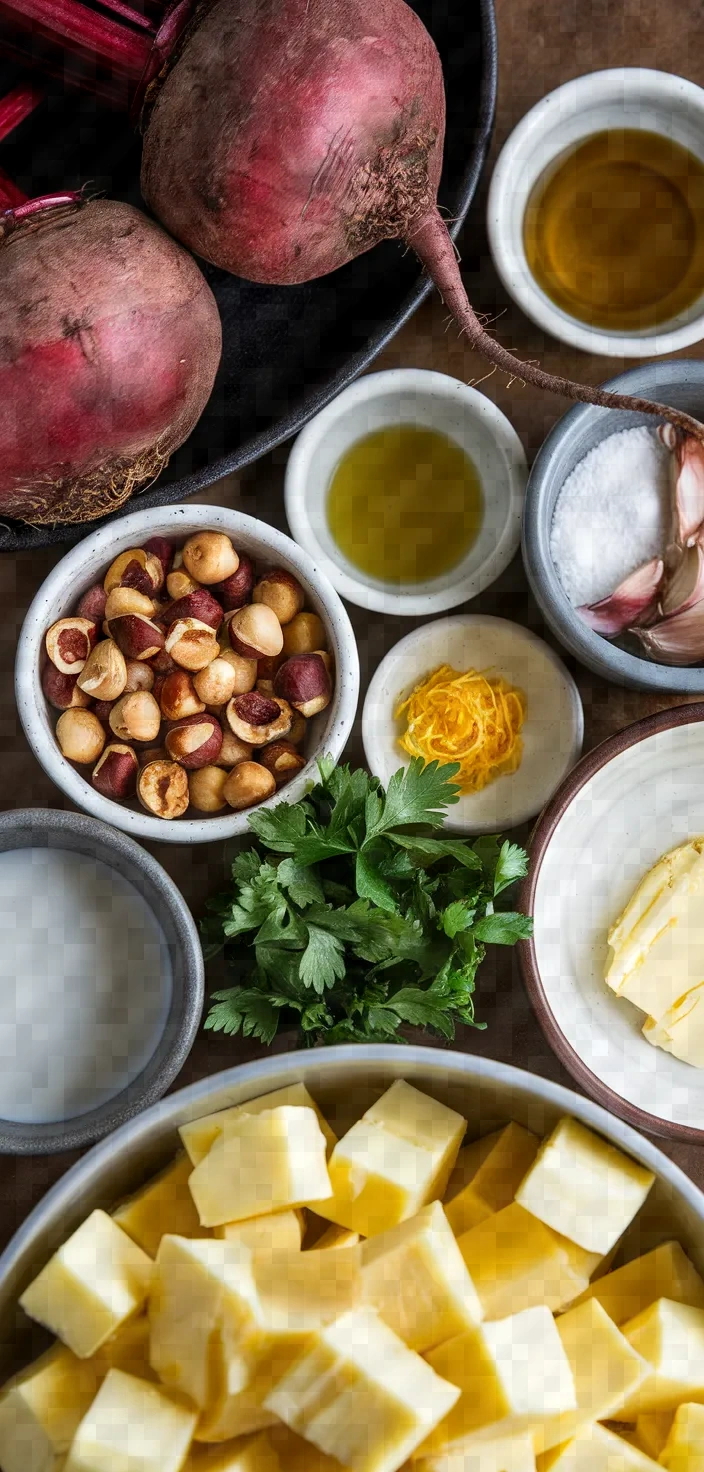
433 245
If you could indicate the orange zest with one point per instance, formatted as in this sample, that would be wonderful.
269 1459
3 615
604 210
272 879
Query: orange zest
473 718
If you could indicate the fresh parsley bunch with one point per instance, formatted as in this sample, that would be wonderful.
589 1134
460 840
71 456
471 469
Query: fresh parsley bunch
353 921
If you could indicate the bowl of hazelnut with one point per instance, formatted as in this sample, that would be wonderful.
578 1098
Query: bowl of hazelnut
180 667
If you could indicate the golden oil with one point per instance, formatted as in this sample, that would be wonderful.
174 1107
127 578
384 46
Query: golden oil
614 230
405 504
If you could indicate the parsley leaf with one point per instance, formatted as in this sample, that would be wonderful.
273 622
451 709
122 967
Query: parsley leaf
322 962
511 864
503 929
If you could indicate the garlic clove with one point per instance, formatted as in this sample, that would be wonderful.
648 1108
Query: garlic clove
685 585
687 482
678 640
629 603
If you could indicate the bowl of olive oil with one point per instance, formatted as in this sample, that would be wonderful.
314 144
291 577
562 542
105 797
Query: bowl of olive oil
408 490
596 213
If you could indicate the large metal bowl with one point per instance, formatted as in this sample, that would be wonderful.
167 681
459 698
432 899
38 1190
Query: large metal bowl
344 1080
287 351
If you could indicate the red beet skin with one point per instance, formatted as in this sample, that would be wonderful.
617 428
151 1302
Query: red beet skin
110 343
315 129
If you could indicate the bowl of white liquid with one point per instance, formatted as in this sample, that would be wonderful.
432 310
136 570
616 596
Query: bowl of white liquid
101 980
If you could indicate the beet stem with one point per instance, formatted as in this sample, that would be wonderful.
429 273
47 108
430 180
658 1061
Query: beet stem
433 245
10 196
127 13
95 33
17 105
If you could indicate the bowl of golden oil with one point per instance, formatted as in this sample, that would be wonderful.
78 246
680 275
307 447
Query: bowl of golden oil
408 491
596 213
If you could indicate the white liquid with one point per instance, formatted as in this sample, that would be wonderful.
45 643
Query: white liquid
85 984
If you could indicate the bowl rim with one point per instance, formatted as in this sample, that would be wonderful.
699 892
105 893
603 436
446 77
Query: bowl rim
622 83
430 384
591 649
540 840
167 520
81 1130
453 825
274 1071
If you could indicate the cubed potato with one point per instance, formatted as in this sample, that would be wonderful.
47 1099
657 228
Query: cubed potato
201 1292
684 1449
469 1159
670 1337
516 1262
513 1374
297 1455
496 1179
416 1278
256 1454
360 1395
506 1454
165 1204
132 1426
92 1285
666 1272
394 1160
596 1449
282 1230
200 1134
261 1163
335 1236
584 1188
652 1430
605 1369
294 1295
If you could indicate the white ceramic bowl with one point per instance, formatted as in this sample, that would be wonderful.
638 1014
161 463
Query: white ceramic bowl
627 802
623 97
435 401
552 731
85 565
344 1080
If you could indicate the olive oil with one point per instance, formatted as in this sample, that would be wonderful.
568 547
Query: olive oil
614 230
405 504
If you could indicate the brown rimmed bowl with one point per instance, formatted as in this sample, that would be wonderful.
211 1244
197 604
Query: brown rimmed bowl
625 804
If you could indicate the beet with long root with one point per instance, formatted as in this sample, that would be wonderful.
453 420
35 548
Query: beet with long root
285 137
109 347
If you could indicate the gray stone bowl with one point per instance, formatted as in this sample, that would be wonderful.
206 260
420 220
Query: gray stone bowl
679 383
46 828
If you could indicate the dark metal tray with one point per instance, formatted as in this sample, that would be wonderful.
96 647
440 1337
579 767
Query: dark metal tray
287 350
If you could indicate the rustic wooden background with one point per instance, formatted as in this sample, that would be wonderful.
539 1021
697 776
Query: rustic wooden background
541 44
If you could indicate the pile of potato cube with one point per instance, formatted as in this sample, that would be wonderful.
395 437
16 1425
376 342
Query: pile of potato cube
281 1301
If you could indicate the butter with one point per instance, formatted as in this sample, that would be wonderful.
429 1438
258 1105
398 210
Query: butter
658 952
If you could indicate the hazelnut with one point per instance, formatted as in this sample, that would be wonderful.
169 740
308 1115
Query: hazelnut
256 632
247 784
128 600
115 774
80 735
178 697
140 676
136 717
69 642
304 634
245 670
92 604
282 760
198 604
282 592
104 674
232 750
297 734
195 741
304 682
179 583
210 557
138 637
102 709
215 685
266 668
327 661
258 720
162 789
152 754
61 690
159 547
236 590
265 687
135 569
192 644
162 663
206 788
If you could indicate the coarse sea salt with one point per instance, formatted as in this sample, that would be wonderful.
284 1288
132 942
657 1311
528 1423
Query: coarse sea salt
612 514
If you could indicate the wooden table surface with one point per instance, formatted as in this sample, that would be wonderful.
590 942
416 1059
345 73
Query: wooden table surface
541 44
